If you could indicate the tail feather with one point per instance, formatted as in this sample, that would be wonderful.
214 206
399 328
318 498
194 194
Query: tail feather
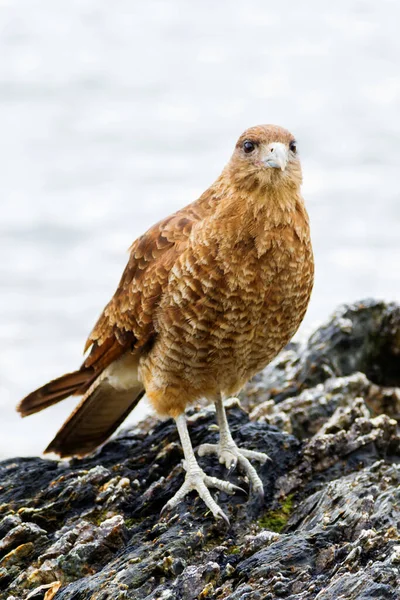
56 390
108 398
97 416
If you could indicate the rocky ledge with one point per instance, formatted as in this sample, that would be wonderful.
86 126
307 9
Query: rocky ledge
325 411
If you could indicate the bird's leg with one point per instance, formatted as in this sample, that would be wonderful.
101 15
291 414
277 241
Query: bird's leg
229 453
196 478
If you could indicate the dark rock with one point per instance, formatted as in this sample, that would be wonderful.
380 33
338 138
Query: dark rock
325 411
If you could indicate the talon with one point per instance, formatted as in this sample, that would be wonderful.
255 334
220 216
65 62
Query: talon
197 479
260 493
239 489
164 509
230 462
223 486
230 455
230 471
223 516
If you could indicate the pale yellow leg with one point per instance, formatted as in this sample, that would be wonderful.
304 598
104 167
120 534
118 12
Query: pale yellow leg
230 454
196 478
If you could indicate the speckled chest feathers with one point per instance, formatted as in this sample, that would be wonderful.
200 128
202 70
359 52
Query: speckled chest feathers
234 298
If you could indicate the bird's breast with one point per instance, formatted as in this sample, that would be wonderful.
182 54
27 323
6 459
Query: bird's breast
224 317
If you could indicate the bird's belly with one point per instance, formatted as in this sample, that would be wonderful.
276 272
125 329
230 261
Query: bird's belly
216 343
252 334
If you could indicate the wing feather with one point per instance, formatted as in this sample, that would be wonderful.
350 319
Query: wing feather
126 324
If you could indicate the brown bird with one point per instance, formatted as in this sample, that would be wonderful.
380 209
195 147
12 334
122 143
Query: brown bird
208 298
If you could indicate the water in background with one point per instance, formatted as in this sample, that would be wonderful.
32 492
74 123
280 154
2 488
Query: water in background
113 115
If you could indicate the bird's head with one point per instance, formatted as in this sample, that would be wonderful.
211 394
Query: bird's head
266 155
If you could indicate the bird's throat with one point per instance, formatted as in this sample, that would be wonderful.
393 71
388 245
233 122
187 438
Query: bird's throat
255 212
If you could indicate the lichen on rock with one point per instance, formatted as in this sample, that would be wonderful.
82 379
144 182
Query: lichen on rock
325 411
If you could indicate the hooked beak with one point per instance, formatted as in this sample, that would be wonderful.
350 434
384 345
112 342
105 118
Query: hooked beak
276 156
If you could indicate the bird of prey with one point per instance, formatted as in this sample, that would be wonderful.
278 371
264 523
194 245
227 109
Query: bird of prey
208 298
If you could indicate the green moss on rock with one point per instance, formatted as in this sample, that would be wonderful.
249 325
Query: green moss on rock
275 520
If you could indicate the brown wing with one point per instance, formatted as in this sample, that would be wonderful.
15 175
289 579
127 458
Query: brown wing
127 321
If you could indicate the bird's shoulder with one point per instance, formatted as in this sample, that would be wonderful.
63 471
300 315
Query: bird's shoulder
126 323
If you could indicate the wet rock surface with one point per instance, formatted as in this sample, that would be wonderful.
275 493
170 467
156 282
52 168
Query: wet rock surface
326 413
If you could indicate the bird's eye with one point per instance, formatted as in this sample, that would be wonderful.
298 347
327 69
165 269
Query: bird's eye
248 146
293 147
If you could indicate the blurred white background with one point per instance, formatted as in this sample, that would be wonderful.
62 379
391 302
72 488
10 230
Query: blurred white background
114 114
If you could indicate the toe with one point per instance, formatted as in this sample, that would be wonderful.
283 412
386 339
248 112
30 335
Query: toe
259 456
205 449
197 480
230 456
209 501
224 486
251 473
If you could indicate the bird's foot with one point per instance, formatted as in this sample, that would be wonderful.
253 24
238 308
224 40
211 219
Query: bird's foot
197 479
231 455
